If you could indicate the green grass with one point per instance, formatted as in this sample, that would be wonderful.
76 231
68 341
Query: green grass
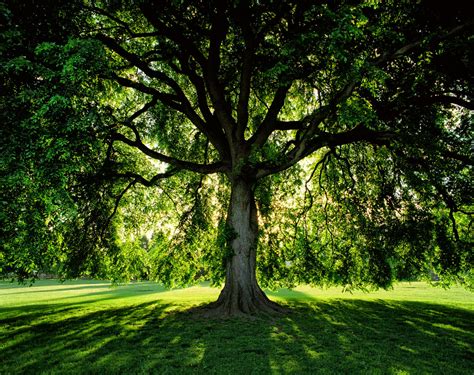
83 327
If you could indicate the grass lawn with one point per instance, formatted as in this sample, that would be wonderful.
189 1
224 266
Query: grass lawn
84 327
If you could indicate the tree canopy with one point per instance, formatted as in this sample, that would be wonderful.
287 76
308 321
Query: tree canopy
271 142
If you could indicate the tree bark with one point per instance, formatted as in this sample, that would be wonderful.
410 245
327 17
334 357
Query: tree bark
241 294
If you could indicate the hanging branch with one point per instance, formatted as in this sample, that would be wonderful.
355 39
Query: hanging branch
136 179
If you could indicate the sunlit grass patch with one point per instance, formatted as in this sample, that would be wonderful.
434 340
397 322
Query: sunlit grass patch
89 327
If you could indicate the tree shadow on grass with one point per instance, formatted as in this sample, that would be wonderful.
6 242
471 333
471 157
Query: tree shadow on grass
337 336
34 288
357 336
106 287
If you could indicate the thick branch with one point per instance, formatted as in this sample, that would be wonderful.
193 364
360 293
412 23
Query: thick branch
357 134
447 99
182 164
142 180
289 125
435 40
199 86
323 139
167 99
215 89
122 24
466 160
173 32
268 124
244 94
243 18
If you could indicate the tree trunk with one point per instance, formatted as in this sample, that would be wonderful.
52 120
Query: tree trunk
241 294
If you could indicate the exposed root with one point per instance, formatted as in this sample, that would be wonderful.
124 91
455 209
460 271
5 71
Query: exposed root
232 307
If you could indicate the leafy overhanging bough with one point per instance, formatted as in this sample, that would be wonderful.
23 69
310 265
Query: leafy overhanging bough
342 125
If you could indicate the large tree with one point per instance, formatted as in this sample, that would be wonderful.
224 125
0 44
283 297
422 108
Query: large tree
355 116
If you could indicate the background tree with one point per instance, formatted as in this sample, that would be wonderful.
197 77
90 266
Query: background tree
343 128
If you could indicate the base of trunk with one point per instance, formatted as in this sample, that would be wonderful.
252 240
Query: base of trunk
242 302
